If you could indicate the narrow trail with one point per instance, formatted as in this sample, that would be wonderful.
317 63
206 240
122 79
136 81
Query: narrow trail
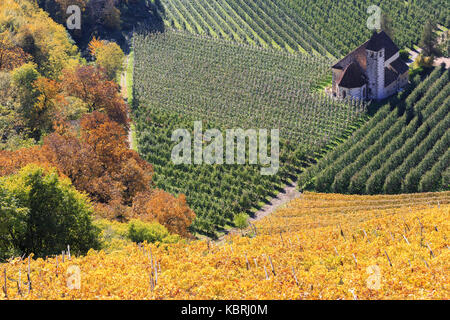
124 92
289 193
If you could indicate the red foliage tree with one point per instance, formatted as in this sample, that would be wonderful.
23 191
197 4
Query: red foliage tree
91 85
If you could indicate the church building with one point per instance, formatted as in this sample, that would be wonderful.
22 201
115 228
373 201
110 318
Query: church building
372 71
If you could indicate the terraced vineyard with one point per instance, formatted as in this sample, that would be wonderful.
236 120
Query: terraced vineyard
361 247
403 148
319 210
181 78
325 27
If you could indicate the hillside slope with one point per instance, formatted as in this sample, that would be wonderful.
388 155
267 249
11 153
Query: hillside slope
318 247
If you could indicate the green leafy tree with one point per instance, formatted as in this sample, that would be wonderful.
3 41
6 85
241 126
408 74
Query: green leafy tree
42 214
428 40
110 57
241 220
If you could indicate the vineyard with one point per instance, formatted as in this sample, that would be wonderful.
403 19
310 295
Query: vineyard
403 148
239 86
324 27
321 246
181 78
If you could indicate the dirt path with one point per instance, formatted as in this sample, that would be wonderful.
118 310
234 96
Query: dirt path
124 92
436 62
289 193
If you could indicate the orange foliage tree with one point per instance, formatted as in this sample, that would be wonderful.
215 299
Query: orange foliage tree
48 101
172 212
91 85
11 56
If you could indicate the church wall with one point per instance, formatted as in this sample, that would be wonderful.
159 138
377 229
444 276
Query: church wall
403 80
380 81
375 73
335 77
353 92
391 89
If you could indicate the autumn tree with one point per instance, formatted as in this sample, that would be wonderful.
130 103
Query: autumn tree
108 56
32 30
110 142
172 212
49 100
11 56
13 161
91 85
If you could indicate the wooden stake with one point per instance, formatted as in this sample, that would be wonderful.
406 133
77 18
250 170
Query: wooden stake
342 232
431 251
295 277
256 263
152 285
68 251
18 283
265 271
406 225
5 287
335 250
405 239
390 263
271 264
365 234
248 263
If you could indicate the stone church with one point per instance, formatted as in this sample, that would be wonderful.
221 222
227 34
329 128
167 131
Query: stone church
372 71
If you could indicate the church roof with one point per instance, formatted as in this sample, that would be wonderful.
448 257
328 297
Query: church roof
399 66
359 55
381 40
375 43
394 70
352 77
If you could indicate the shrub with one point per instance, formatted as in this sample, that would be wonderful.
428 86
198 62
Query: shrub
423 61
404 55
241 221
42 214
140 231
